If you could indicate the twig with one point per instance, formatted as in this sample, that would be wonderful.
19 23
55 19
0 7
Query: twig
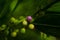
46 25
45 8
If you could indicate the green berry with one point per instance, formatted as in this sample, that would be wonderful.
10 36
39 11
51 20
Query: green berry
17 30
23 30
21 17
16 21
3 26
24 22
31 26
12 19
14 34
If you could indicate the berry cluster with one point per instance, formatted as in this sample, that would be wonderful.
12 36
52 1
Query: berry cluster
26 23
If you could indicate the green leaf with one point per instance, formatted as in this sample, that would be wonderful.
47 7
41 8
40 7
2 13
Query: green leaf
29 7
55 7
13 4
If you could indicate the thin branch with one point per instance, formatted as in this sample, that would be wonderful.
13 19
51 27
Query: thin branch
48 6
47 25
53 12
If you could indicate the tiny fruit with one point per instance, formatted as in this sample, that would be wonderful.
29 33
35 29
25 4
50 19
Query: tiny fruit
29 18
24 22
17 30
31 26
23 30
3 25
21 17
12 19
16 21
14 34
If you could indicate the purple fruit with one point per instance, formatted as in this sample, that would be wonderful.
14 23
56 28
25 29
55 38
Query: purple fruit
29 18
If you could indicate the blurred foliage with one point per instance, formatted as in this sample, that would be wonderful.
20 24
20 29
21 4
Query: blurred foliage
14 12
55 7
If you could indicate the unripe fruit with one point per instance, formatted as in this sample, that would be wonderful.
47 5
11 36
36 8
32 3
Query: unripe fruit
23 30
12 19
24 22
14 34
16 21
21 17
17 30
31 26
3 25
29 18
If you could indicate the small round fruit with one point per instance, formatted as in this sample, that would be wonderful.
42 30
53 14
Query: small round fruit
17 30
3 25
29 18
16 21
24 22
12 19
31 26
21 17
23 30
14 34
